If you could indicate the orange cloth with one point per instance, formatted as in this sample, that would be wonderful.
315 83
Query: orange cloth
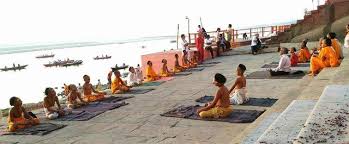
294 59
150 73
20 123
164 72
118 84
336 47
327 58
303 55
94 97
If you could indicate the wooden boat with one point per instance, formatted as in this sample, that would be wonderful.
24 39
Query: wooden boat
14 68
101 58
45 56
75 63
59 63
118 68
173 41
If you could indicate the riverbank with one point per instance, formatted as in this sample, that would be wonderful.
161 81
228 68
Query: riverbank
140 121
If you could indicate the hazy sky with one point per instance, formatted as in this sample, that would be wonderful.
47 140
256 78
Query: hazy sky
93 20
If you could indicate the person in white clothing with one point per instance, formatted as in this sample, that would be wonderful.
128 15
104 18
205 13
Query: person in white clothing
208 45
346 40
238 92
139 72
132 78
185 45
256 43
284 67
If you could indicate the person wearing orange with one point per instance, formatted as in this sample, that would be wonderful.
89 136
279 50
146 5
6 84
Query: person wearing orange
118 85
294 57
110 74
335 44
177 68
164 72
195 59
150 73
185 62
326 58
88 89
304 54
19 118
199 41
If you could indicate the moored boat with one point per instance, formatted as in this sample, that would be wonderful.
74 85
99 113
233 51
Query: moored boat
101 58
19 67
45 56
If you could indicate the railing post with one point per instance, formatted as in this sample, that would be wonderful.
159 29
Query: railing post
250 33
237 34
189 38
233 36
262 31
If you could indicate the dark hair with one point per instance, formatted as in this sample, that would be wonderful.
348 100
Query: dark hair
163 60
129 69
294 49
184 52
176 55
85 76
182 35
286 51
13 100
328 42
220 78
47 90
332 35
148 62
242 67
208 36
229 25
218 29
199 25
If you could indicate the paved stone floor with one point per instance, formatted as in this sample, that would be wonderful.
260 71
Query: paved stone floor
140 121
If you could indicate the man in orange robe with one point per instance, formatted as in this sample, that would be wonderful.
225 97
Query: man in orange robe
150 73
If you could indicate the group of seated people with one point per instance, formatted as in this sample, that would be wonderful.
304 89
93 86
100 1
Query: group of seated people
151 75
327 55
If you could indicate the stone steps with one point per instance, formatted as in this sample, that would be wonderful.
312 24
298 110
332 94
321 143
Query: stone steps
264 125
329 119
287 125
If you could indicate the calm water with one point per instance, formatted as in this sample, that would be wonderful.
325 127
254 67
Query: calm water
29 84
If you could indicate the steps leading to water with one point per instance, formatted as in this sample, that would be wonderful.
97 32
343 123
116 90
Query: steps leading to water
329 119
287 126
264 125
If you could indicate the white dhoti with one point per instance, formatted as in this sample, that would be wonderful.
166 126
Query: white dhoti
54 115
239 96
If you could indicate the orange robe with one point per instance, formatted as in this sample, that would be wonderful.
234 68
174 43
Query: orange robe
327 58
294 59
20 123
89 97
150 73
303 55
164 72
336 47
118 85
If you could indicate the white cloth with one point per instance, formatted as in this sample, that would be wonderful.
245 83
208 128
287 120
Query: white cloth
133 79
208 42
139 73
254 41
346 41
54 115
284 64
239 96
185 46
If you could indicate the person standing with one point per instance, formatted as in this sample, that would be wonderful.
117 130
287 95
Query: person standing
220 40
199 41
346 40
208 45
230 32
185 46
255 44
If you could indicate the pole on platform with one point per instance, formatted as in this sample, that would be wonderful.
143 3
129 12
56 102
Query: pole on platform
201 23
188 28
177 34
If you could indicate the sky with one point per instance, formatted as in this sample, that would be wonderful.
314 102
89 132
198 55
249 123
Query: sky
38 21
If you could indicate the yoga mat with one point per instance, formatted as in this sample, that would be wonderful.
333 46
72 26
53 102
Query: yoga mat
114 99
298 63
262 102
91 110
138 91
154 83
276 65
194 69
266 75
40 130
237 116
204 66
215 62
183 74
